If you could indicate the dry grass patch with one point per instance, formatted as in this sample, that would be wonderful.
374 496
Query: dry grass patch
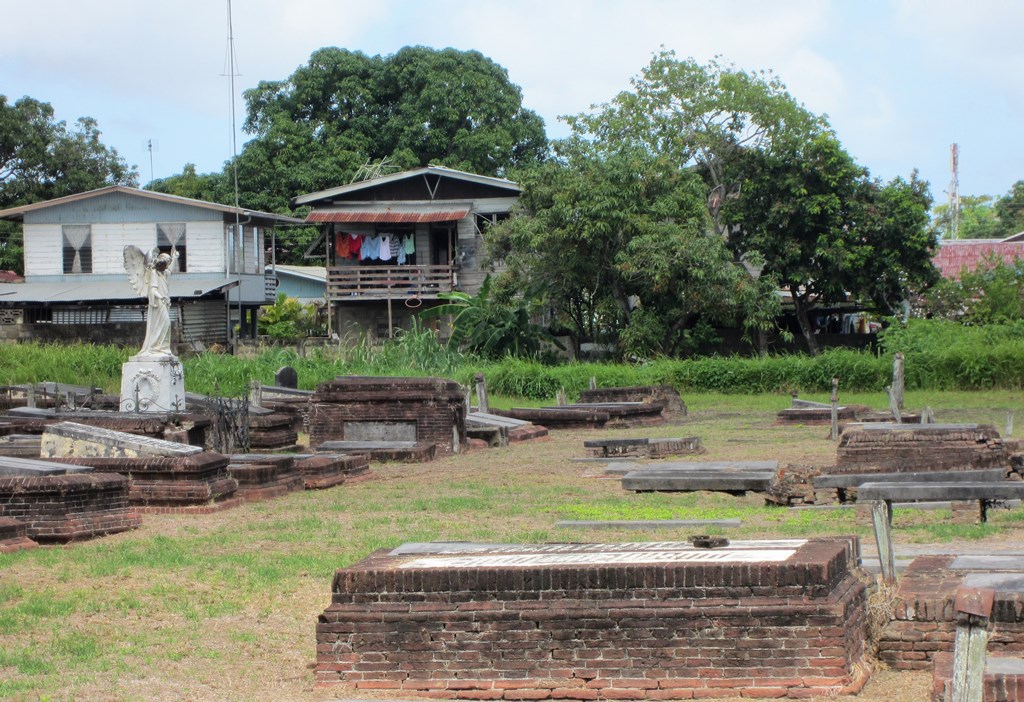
223 606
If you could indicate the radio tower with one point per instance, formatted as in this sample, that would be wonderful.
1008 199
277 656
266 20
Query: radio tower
954 192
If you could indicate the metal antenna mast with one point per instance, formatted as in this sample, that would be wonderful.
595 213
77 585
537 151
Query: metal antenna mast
236 236
954 192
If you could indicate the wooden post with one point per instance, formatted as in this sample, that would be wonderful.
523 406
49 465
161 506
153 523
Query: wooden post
893 407
391 323
30 395
255 393
835 409
481 393
897 378
467 399
881 516
973 610
927 416
593 383
561 398
1009 423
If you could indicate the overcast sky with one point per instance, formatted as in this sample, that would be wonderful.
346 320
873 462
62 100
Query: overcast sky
900 80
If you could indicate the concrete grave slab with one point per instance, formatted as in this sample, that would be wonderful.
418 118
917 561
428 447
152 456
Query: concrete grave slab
71 439
989 563
11 466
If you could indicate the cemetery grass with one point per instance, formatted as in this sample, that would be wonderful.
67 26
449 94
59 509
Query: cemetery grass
223 606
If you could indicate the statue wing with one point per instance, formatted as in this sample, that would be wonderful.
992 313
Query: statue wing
135 265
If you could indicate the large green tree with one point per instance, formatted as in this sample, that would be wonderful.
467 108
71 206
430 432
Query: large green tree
704 116
415 107
826 231
619 243
42 158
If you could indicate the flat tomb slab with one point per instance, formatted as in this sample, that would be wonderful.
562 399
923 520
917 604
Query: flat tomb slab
843 480
72 439
903 492
468 620
11 466
690 477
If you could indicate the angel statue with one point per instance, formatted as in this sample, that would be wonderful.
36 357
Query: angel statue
148 277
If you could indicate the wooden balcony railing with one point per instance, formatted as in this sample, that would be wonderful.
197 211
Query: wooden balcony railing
383 282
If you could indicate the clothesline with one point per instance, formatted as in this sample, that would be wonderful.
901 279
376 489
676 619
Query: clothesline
375 247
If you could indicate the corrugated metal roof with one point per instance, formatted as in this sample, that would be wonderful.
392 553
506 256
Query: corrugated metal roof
86 291
316 273
431 170
17 213
388 216
955 255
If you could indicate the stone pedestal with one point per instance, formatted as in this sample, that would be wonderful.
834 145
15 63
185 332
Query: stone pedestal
153 385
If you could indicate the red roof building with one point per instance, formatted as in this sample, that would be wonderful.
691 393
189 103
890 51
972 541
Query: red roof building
955 255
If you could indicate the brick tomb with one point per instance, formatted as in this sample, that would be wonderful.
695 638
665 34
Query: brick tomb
165 476
892 448
389 411
599 621
58 503
665 395
923 622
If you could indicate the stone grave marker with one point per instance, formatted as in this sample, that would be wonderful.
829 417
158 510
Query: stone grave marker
286 377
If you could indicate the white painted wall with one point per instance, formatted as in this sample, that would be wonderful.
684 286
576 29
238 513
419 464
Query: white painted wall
43 245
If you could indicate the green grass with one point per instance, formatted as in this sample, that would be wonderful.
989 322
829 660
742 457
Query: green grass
188 602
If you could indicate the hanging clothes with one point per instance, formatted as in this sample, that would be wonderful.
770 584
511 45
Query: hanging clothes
396 245
341 249
355 245
385 248
371 247
409 244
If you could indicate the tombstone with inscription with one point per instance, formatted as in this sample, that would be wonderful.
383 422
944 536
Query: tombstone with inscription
153 380
653 620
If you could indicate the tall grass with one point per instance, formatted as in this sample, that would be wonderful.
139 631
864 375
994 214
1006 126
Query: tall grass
77 364
939 356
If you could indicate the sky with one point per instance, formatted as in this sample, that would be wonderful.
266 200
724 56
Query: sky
900 80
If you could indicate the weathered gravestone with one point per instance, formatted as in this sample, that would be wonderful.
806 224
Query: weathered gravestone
286 377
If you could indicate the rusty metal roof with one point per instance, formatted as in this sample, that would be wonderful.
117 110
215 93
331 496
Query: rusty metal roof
955 255
389 216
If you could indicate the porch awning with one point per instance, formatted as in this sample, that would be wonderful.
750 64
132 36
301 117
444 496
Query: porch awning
75 291
387 216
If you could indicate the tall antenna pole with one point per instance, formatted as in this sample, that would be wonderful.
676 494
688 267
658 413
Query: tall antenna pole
149 145
954 192
238 239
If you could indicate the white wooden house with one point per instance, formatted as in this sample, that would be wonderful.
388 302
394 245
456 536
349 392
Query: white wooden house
438 216
76 286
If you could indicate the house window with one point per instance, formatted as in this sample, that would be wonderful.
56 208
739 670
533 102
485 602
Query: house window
484 221
171 237
245 254
77 248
